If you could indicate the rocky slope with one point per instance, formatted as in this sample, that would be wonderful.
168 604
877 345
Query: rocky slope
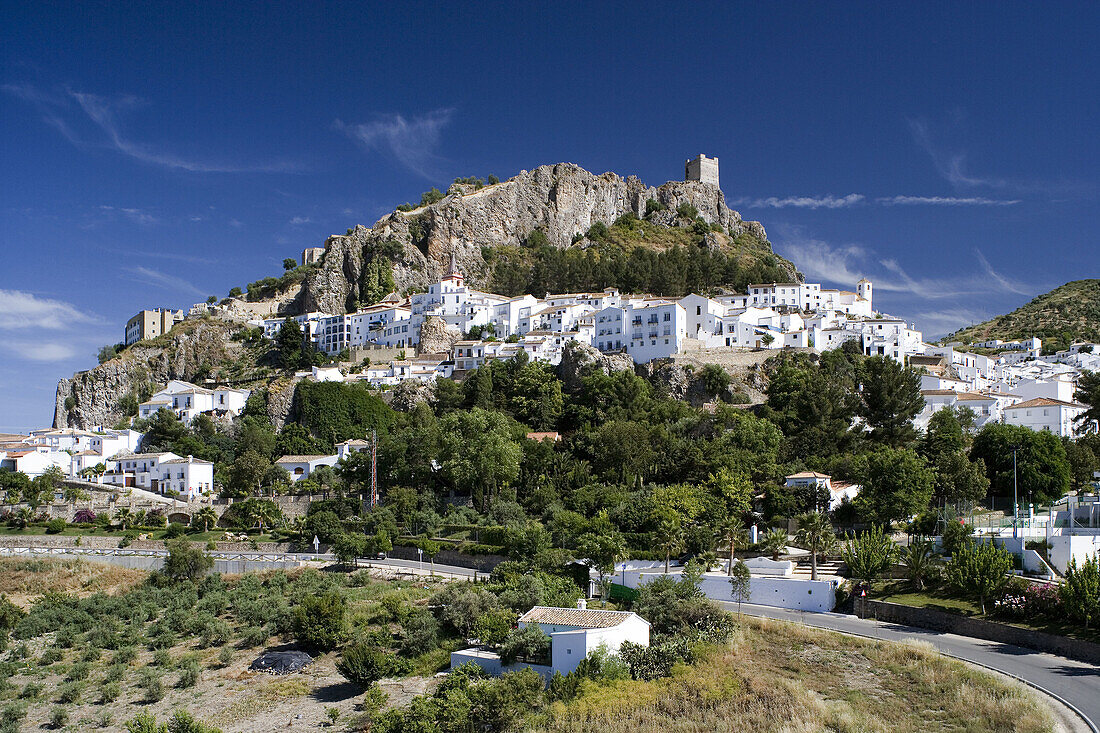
1068 313
560 200
191 351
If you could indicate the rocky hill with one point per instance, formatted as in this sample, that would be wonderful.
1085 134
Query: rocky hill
1066 314
558 228
560 202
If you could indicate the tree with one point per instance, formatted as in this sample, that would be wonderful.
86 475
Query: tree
124 517
185 562
319 620
601 547
898 485
247 473
869 555
1041 463
815 533
775 543
957 479
430 548
289 343
480 452
979 570
106 353
715 380
668 533
1088 392
733 534
289 264
813 408
205 518
740 582
365 664
890 398
73 494
918 559
1080 592
536 397
349 547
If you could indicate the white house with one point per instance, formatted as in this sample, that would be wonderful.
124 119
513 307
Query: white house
574 634
838 490
1043 413
300 467
188 401
161 472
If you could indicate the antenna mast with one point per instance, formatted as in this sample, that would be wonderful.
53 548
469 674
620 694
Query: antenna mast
373 469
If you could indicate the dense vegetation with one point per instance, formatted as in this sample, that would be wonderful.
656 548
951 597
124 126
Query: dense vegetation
1066 314
636 256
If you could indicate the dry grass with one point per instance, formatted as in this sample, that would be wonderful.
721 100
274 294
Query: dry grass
23 580
783 677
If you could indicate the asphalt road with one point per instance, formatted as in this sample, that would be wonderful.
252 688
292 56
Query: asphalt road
1076 683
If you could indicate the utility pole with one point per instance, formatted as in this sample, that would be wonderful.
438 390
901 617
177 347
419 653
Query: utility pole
373 469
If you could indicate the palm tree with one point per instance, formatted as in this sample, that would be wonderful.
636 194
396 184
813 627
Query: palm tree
669 535
265 513
775 542
815 533
74 493
23 516
124 517
918 559
205 517
732 532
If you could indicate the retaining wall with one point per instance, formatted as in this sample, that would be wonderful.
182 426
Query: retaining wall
483 563
927 618
794 593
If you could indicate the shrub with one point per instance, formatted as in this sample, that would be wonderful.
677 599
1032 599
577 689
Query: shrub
598 231
79 671
421 633
215 632
55 526
162 658
31 691
59 718
530 643
109 692
190 673
687 211
185 562
225 656
115 673
253 636
91 654
150 682
653 205
124 655
365 664
175 530
84 516
319 620
69 692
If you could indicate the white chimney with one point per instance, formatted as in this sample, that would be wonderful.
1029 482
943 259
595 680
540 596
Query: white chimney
582 604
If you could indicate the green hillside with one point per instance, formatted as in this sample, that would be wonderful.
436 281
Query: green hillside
1066 314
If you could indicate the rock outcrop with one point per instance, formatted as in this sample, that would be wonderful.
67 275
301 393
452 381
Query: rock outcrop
435 337
560 200
579 360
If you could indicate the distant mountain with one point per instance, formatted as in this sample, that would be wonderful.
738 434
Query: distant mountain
1066 314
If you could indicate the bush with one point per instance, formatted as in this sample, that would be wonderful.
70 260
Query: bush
31 691
598 231
185 562
52 655
225 656
150 682
124 655
115 673
529 643
319 620
69 692
59 718
79 671
109 692
687 211
421 633
365 664
55 526
175 530
253 636
84 516
190 673
653 205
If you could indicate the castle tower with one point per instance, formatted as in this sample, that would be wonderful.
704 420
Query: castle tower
863 290
702 169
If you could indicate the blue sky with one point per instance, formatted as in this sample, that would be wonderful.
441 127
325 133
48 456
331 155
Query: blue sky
150 156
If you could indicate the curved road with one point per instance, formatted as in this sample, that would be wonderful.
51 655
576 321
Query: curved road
1075 682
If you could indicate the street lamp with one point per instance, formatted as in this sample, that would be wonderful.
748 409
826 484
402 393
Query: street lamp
1015 495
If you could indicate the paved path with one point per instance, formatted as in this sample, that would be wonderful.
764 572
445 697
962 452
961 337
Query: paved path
425 567
1075 683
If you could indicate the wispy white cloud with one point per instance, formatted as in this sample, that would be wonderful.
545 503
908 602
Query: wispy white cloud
944 201
950 165
46 351
160 279
937 323
801 202
1011 286
299 220
412 142
65 111
22 310
820 260
138 216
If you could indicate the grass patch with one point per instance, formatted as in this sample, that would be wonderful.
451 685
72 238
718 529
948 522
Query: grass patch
779 676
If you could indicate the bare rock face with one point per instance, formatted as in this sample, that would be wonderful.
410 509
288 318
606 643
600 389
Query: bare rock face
280 400
560 200
435 337
405 396
579 360
92 397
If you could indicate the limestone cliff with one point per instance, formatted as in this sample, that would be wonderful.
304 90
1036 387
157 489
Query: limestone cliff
561 201
191 351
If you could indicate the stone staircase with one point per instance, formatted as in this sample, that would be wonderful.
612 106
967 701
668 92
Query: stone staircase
824 569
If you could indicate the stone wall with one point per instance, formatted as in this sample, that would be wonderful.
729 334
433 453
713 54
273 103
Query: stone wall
483 563
950 623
